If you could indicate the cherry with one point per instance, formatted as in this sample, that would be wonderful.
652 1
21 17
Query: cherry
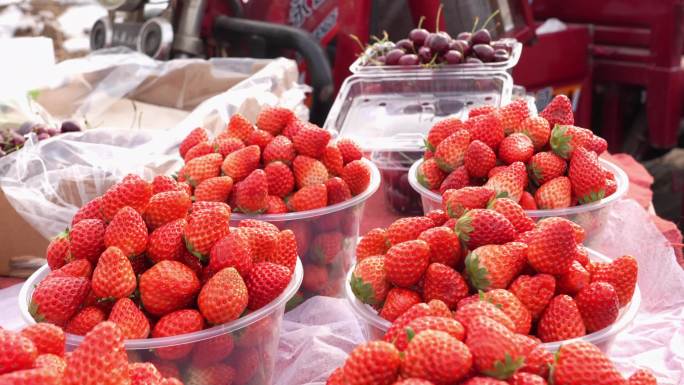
484 52
453 57
424 54
69 126
473 60
52 131
409 59
393 56
437 42
501 55
405 44
418 36
482 36
43 136
464 36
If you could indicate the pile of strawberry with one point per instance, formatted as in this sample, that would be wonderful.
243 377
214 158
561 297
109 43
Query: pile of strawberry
148 259
542 162
282 164
429 346
535 279
36 356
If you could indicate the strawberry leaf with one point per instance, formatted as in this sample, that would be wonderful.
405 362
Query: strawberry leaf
560 141
505 369
362 290
477 276
410 334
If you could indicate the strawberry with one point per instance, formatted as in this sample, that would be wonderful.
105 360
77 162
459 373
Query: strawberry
443 324
31 377
537 129
86 239
538 361
442 130
326 247
16 352
309 198
406 262
174 324
168 206
201 168
333 160
85 320
588 181
127 232
214 374
338 190
130 319
574 279
233 250
274 119
398 327
90 210
251 194
494 266
561 320
167 369
336 377
514 309
611 187
513 212
113 277
56 300
527 201
292 128
397 302
581 363
262 241
59 250
375 242
315 278
215 189
143 373
597 144
259 138
438 216
445 284
275 205
162 183
357 174
511 181
578 232
621 273
311 140
225 146
450 153
430 175
265 282
51 362
582 256
166 242
479 227
213 350
369 282
445 247
239 164
437 357
527 379
466 314
204 228
513 114
481 110
535 292
200 149
47 338
457 179
279 149
494 350
247 364
558 111
565 140
196 136
285 252
551 248
554 194
167 286
131 191
280 179
484 381
486 128
407 229
374 362
456 202
642 377
479 159
99 360
224 297
495 171
308 171
599 305
516 147
350 150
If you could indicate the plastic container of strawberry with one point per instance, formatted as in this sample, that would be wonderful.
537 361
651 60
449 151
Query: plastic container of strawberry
374 326
326 239
590 216
249 344
394 167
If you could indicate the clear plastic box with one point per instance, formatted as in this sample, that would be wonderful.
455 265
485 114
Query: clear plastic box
374 326
254 338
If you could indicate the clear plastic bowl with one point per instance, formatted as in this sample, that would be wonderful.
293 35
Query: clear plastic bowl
394 167
590 216
325 238
374 326
254 338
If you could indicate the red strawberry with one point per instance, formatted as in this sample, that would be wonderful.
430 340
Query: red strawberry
233 250
445 247
315 278
484 381
599 305
213 189
444 283
357 174
259 138
143 373
336 377
442 130
466 314
372 363
561 320
511 181
551 248
375 242
516 147
536 128
527 379
332 159
167 369
265 282
308 171
487 128
274 119
239 164
131 191
294 126
213 350
558 111
204 228
279 149
438 216
338 190
225 146
215 374
130 319
166 242
168 206
224 297
85 320
457 179
436 356
162 183
326 247
494 266
127 232
251 194
574 280
554 194
398 327
430 175
534 292
582 256
16 352
200 149
577 230
514 309
479 159
513 114
350 150
196 136
280 179
309 198
276 205
91 210
597 144
565 140
406 229
285 253
99 360
201 168
642 377
580 363
621 273
51 362
443 324
247 364
527 201
538 361
47 338
174 324
57 299
611 187
31 377
496 170
311 140
167 286
479 227
262 241
113 277
450 152
397 302
481 110
493 347
588 181
58 251
86 239
456 202
514 213
406 262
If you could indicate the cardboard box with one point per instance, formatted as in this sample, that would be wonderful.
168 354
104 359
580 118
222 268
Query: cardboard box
18 238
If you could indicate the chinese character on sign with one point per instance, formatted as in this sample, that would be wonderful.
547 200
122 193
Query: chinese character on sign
299 11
